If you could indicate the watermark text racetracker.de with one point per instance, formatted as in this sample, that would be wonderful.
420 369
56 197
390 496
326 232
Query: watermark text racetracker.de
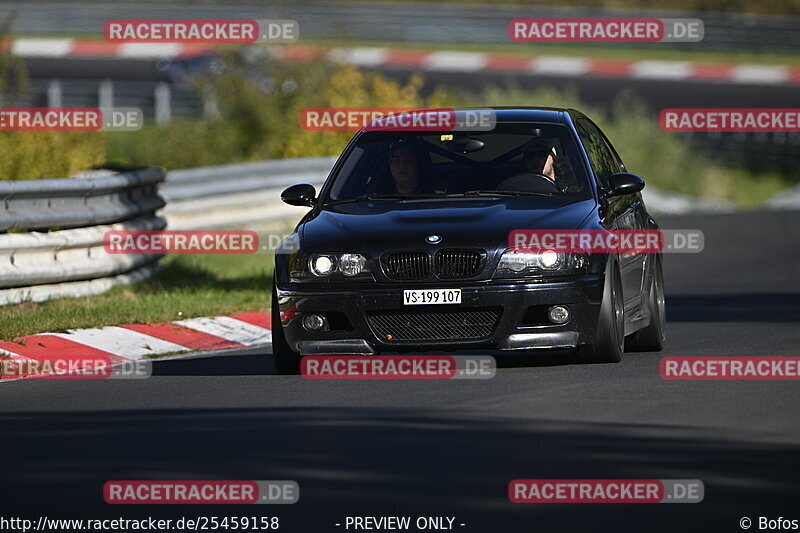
398 367
607 241
181 242
70 119
79 366
734 120
396 119
201 492
164 242
606 491
746 368
201 31
606 30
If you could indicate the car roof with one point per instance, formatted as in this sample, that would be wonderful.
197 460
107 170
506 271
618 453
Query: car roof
511 114
524 114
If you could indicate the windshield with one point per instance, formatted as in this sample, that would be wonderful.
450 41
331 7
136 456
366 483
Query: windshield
513 159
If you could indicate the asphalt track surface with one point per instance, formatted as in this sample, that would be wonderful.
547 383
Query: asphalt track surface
451 447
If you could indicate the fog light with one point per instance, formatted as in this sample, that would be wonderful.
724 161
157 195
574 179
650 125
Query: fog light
558 314
313 322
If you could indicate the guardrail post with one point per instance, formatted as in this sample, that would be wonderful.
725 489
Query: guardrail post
163 103
105 95
54 93
210 103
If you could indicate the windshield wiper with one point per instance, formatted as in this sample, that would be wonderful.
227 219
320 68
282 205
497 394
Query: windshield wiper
499 193
376 196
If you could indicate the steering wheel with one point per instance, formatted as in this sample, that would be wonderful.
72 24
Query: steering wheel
529 182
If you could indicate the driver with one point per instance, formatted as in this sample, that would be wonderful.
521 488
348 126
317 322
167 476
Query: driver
539 157
406 165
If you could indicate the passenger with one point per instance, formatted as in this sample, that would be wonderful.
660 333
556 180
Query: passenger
539 157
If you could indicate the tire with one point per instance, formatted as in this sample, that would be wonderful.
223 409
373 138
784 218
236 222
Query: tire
651 338
287 362
610 336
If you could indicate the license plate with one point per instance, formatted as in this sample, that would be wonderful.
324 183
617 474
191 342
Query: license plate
431 296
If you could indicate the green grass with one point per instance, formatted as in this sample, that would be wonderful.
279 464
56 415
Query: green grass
186 286
596 51
751 191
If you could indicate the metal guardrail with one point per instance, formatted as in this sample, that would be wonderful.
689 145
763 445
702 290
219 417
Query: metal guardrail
238 195
788 200
401 21
37 264
79 202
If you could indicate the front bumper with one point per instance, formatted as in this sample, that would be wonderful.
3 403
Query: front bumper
513 331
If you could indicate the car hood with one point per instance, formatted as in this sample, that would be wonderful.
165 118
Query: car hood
393 224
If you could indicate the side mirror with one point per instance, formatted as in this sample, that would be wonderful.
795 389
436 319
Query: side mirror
623 183
302 195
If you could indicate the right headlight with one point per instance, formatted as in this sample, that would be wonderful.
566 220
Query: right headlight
514 263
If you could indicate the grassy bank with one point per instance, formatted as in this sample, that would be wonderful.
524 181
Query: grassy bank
187 286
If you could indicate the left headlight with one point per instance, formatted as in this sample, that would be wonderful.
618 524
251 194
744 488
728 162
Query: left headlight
326 265
322 265
515 263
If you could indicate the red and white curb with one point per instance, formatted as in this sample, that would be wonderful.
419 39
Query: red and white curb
77 48
133 342
438 61
555 65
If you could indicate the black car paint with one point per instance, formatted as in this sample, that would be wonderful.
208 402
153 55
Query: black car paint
397 225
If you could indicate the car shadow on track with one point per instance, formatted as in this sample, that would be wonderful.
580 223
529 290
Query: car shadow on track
360 460
748 307
260 364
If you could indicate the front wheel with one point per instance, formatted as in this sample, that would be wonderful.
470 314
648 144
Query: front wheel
610 336
651 338
287 362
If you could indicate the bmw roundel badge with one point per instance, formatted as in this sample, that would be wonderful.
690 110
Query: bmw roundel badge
433 239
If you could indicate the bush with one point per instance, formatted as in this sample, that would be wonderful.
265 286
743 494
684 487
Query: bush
42 154
35 155
667 161
258 115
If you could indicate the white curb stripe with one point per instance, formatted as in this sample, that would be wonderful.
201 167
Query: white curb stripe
148 50
41 47
365 57
229 329
662 70
14 356
759 74
122 342
456 61
562 66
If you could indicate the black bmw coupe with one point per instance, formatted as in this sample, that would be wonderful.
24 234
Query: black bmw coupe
406 246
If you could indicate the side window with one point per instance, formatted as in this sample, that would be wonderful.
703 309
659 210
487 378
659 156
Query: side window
618 164
601 157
